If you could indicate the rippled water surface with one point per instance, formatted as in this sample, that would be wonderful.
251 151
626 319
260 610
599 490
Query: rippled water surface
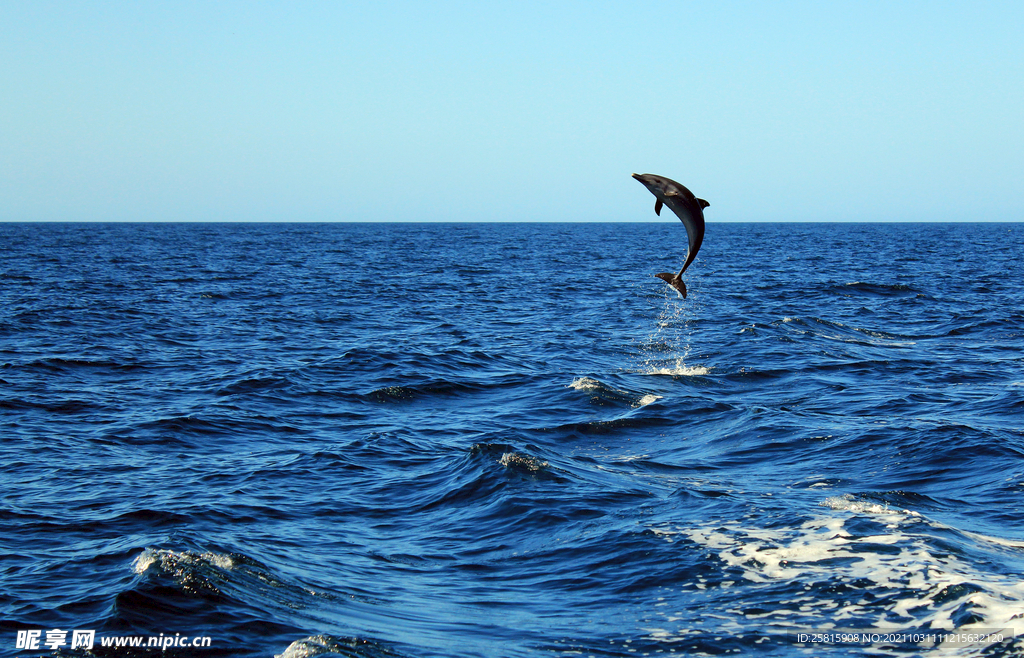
512 440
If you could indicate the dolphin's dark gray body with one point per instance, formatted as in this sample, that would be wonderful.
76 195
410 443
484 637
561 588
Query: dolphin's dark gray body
690 211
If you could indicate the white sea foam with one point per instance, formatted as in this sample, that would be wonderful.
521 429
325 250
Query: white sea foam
145 560
909 581
317 645
647 399
585 384
680 370
171 560
600 389
522 462
853 504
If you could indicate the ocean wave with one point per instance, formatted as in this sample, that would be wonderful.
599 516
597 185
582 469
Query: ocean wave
880 289
515 460
851 503
198 578
350 647
440 388
601 393
612 426
71 365
842 332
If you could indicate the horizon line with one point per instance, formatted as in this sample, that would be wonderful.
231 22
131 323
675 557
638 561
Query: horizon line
523 221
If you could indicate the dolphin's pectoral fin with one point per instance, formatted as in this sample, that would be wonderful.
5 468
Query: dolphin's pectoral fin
703 203
673 280
657 207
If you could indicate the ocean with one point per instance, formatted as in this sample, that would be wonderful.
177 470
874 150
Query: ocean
504 440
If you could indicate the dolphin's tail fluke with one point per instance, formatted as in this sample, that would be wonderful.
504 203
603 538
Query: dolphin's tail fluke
673 280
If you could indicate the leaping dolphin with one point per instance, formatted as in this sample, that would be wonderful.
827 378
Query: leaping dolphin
690 211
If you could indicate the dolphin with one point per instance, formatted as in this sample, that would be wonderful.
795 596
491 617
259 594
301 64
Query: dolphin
690 211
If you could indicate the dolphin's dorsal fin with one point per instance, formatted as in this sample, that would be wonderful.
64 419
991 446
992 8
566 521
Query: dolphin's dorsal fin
657 207
703 203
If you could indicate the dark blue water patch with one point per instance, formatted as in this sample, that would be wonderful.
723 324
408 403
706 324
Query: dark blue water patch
480 440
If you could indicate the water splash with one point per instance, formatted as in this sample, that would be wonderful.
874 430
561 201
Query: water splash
666 349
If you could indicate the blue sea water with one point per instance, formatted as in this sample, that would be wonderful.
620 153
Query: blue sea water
461 440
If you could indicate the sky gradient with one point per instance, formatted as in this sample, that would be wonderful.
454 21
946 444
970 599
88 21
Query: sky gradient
467 111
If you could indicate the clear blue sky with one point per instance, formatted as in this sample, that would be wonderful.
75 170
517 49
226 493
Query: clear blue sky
518 111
